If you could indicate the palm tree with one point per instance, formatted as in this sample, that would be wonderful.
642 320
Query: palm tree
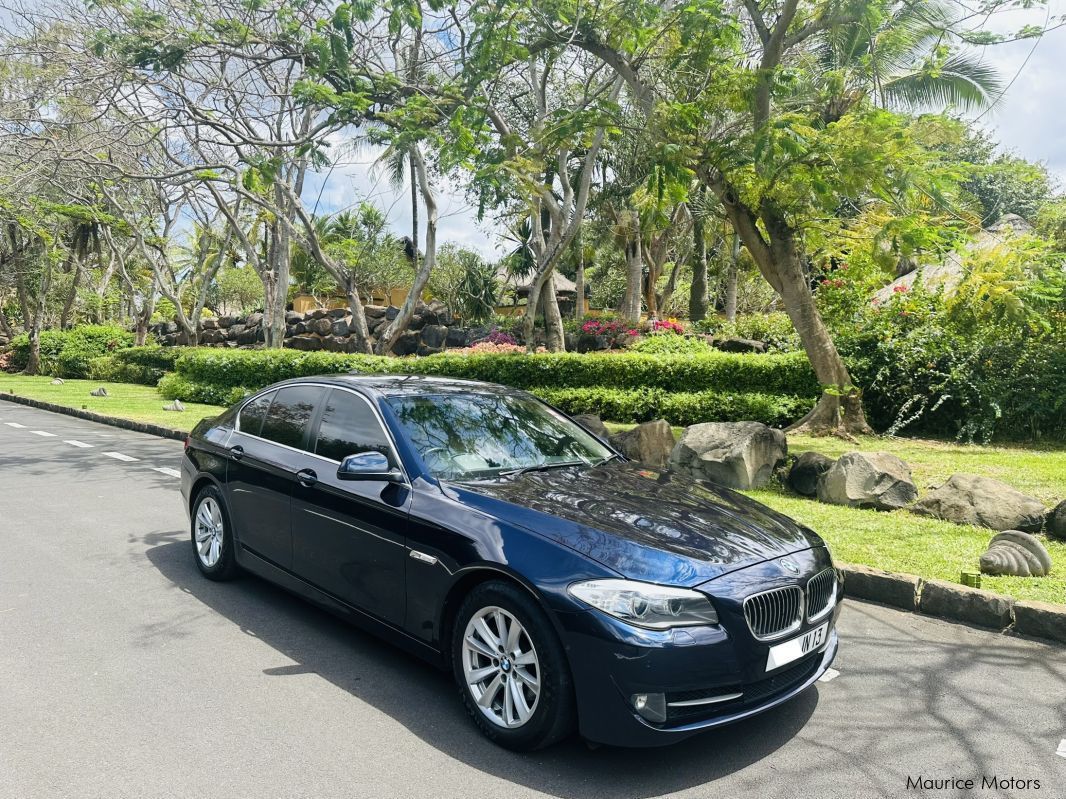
901 60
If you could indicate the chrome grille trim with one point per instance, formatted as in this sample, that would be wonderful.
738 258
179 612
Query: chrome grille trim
774 613
821 591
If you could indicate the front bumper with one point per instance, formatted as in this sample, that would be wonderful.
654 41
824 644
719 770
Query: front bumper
611 662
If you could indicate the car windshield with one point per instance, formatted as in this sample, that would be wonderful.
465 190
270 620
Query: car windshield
467 436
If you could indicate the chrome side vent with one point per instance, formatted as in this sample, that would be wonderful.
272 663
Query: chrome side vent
774 613
821 593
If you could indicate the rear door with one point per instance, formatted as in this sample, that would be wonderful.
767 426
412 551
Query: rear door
349 536
265 454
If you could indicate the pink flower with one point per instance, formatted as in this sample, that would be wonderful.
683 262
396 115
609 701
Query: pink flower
899 289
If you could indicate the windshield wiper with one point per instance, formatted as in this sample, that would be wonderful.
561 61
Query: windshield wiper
613 456
542 467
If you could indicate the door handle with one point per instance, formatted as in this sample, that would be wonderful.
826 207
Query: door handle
236 452
307 477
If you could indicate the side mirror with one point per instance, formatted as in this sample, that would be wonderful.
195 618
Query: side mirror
369 466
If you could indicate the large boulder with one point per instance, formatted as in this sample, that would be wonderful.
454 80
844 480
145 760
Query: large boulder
587 342
1016 554
292 317
594 424
374 311
650 443
340 327
253 320
459 337
212 336
406 343
806 471
321 325
227 321
209 324
434 336
734 454
1056 521
876 480
305 343
739 345
982 501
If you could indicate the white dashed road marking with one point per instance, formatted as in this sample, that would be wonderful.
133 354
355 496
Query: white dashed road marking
830 674
166 470
75 443
120 456
15 424
43 433
1061 751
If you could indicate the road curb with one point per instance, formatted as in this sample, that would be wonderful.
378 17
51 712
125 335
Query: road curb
877 585
125 424
1040 620
944 600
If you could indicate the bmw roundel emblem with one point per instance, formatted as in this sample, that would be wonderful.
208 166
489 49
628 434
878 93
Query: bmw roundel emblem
790 566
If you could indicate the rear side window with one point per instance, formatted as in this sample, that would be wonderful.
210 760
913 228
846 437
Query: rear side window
349 426
289 417
252 414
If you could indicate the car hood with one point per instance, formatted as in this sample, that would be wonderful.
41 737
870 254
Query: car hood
642 523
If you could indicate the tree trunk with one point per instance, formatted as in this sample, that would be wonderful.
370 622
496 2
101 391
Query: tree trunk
422 271
630 310
697 297
579 283
778 257
663 299
731 281
72 295
554 336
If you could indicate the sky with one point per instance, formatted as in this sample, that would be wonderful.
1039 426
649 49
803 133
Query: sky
1028 119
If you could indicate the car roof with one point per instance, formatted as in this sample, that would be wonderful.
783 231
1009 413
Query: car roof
392 385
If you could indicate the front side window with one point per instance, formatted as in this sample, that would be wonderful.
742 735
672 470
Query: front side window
471 436
289 417
349 427
252 414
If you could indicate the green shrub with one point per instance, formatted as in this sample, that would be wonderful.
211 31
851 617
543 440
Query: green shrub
684 389
670 344
143 365
67 353
175 386
773 328
682 408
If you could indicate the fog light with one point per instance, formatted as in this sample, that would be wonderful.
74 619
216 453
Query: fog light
650 706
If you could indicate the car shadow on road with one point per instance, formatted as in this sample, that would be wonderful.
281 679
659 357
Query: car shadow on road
424 700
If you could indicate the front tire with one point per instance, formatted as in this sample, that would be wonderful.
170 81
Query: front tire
511 668
212 536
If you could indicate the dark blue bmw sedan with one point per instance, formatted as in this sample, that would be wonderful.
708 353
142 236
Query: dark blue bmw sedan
564 586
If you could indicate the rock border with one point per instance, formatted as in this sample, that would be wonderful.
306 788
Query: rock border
113 421
955 602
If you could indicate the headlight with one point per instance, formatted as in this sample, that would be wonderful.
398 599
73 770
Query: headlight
646 605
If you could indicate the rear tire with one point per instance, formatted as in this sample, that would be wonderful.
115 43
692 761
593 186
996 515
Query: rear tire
212 536
511 669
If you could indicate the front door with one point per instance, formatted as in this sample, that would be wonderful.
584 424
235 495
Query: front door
348 536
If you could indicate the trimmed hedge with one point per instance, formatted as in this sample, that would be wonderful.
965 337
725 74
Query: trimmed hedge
143 365
715 371
682 408
683 389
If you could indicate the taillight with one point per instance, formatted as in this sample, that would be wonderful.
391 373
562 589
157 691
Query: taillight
187 440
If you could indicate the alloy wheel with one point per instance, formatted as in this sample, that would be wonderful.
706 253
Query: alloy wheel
501 667
209 532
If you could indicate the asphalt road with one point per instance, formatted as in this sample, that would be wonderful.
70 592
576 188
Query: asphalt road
124 673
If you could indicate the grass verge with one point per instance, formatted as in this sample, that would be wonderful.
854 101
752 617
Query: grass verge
902 542
124 400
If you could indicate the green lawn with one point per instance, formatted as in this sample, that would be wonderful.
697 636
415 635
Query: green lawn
902 542
125 400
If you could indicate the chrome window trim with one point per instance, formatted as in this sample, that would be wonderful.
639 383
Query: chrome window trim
377 415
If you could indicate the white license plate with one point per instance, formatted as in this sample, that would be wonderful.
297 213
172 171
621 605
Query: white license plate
797 647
